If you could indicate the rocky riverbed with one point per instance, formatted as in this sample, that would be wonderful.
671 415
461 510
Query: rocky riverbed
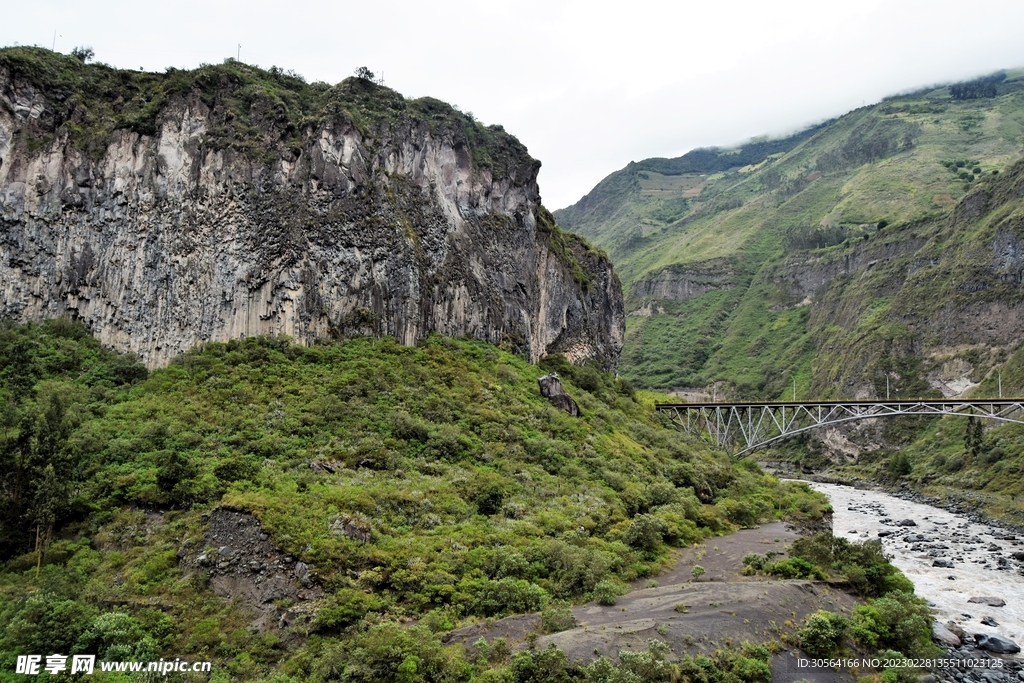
972 573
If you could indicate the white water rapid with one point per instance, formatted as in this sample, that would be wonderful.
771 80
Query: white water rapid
973 549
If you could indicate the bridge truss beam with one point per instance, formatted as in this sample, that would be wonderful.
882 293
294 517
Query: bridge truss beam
742 428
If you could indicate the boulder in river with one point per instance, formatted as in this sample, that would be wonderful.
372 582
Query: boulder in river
1017 555
987 600
956 630
989 621
943 563
906 522
943 635
886 532
996 644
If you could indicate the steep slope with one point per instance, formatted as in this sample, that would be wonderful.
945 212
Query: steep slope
169 209
287 511
785 270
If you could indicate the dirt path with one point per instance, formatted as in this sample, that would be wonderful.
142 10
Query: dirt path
720 610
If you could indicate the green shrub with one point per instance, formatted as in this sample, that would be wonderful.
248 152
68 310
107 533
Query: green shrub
607 592
900 465
442 619
557 616
540 666
389 652
646 532
754 561
795 568
864 565
115 635
898 620
344 608
649 666
505 596
823 632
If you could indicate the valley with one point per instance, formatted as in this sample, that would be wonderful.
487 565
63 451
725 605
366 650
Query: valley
305 381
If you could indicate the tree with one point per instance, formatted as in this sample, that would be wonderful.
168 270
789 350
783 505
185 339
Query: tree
364 74
973 437
83 54
697 571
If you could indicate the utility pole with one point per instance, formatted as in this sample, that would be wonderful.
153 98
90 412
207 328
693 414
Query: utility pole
794 388
238 53
54 47
1000 376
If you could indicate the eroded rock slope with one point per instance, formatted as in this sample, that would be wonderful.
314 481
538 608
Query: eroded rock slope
231 206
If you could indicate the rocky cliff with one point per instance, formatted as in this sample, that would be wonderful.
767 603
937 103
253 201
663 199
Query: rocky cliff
165 210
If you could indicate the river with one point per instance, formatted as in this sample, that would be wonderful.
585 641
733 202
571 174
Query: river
974 550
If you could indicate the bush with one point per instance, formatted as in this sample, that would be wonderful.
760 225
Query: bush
639 667
900 465
898 620
344 608
540 666
754 561
795 568
505 596
823 633
389 652
645 533
697 571
557 616
864 565
606 592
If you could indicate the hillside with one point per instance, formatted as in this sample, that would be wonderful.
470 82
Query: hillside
291 511
883 243
169 209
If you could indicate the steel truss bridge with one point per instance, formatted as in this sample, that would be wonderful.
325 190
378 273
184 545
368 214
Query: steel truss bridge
742 428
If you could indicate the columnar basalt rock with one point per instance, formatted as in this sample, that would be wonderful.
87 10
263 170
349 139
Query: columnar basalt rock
165 240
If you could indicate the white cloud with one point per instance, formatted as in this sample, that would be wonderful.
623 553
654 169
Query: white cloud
587 86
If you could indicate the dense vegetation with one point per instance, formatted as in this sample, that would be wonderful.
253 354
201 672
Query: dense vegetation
866 202
480 499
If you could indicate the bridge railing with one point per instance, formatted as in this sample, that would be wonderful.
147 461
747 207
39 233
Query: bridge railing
746 426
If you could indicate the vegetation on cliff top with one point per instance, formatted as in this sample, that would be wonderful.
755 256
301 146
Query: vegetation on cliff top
480 498
258 112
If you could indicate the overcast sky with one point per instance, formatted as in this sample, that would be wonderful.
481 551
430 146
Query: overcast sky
587 86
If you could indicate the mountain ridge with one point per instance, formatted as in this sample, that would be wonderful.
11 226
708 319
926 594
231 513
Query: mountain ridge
719 272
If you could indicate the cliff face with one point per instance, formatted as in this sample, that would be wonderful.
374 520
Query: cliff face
164 235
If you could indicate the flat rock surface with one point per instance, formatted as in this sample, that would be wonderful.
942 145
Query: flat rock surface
722 609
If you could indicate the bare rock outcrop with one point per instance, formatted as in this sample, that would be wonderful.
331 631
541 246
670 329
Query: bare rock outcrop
242 564
199 229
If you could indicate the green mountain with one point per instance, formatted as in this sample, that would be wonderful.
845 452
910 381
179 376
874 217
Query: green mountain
885 243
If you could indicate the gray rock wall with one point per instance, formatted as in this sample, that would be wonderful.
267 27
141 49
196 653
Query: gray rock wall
165 241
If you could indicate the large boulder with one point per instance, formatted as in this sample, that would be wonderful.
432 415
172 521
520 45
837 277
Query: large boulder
551 389
997 644
943 635
987 600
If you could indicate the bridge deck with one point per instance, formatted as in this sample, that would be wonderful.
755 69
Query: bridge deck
877 402
746 426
